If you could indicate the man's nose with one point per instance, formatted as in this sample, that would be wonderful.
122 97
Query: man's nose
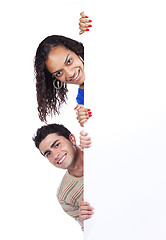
56 154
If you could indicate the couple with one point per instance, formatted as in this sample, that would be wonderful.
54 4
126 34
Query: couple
58 62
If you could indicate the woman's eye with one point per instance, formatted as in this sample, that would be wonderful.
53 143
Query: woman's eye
69 61
59 74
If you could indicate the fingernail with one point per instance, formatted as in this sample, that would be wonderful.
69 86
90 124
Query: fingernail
81 33
90 20
87 30
75 108
90 115
89 25
88 109
86 17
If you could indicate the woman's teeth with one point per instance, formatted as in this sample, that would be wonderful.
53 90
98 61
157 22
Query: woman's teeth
76 76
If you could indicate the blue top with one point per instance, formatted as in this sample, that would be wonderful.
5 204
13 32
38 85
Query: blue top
80 96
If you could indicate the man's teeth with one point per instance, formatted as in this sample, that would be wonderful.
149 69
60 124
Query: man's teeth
61 160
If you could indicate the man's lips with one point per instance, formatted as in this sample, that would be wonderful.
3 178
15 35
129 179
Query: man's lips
62 159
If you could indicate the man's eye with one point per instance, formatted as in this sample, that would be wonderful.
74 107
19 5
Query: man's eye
48 154
57 145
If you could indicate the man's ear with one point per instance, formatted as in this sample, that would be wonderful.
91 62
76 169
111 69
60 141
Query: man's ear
72 139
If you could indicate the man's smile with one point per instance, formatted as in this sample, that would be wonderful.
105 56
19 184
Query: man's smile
62 159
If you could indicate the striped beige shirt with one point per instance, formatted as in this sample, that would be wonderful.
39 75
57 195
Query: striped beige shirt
69 195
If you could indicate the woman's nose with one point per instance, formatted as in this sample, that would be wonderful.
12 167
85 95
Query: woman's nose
69 74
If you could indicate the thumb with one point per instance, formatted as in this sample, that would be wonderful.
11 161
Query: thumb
82 197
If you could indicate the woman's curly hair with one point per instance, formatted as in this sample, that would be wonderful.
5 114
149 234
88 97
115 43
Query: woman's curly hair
50 99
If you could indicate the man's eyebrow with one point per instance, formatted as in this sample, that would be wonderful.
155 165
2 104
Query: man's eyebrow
54 143
64 63
44 154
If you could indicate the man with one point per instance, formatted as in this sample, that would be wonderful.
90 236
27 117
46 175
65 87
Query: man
58 145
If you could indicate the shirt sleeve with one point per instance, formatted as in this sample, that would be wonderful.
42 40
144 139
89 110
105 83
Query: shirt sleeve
80 96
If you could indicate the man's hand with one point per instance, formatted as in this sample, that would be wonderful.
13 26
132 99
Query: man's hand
85 141
85 210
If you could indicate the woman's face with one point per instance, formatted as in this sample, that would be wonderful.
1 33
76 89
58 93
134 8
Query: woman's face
65 65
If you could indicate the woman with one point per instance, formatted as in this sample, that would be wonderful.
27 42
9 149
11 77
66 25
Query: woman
58 62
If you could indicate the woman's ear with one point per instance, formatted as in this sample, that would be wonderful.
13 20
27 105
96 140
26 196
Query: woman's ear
72 139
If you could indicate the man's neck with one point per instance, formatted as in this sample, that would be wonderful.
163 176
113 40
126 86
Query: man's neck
77 170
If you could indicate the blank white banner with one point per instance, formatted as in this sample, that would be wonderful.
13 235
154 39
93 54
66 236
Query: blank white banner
125 62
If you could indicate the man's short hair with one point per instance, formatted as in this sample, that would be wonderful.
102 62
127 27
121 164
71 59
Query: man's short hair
42 132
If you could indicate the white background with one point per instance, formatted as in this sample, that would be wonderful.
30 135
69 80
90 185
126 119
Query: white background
125 169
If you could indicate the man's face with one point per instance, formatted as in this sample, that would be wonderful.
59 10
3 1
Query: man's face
58 150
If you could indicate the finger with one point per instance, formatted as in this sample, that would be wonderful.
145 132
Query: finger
83 121
82 197
85 216
83 133
85 139
83 112
81 32
84 25
83 118
85 213
86 208
83 203
85 145
79 106
84 28
85 142
82 14
84 20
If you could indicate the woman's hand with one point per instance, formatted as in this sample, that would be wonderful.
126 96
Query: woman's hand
85 210
83 114
85 141
84 23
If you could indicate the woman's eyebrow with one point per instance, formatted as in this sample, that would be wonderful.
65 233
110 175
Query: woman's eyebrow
64 63
66 58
